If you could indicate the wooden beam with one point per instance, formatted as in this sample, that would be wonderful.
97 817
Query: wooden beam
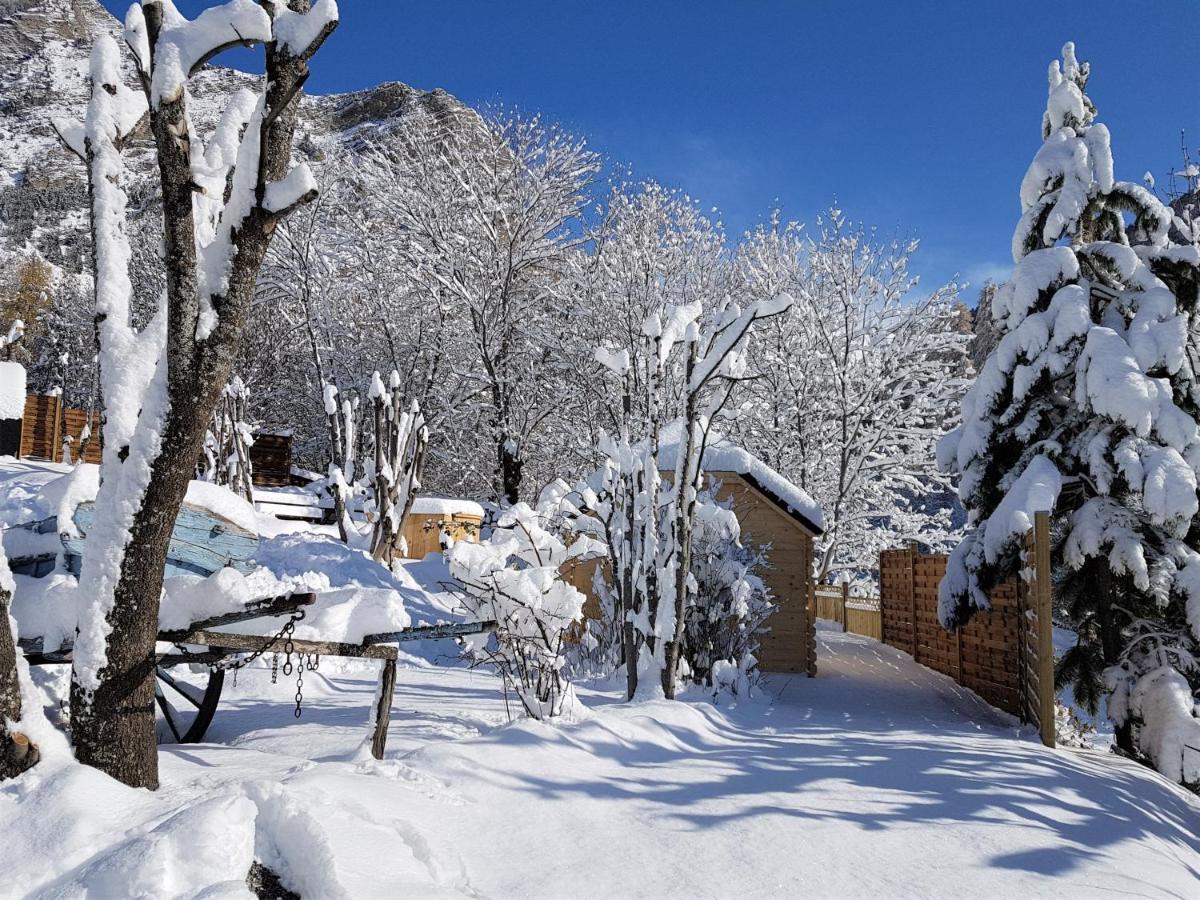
429 632
273 606
252 642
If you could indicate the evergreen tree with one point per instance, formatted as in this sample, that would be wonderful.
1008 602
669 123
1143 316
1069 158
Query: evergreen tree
1087 407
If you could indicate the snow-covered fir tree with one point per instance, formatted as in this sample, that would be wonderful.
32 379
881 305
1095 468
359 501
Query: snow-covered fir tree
1087 407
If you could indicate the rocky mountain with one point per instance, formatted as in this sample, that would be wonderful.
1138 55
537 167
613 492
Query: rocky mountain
44 49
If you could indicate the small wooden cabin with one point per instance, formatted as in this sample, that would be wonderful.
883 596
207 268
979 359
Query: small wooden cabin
431 518
776 515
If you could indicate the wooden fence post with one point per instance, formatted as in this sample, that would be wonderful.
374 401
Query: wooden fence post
56 438
912 594
1045 632
845 597
383 711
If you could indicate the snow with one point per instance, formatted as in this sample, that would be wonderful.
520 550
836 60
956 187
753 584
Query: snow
291 189
878 778
1035 490
446 506
184 44
12 390
1170 733
297 31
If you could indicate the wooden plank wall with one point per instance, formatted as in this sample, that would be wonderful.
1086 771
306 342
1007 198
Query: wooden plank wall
40 435
1005 654
423 531
271 460
44 423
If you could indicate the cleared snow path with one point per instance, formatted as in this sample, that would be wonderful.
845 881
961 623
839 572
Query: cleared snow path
879 778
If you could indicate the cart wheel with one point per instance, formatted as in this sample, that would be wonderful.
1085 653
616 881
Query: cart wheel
185 710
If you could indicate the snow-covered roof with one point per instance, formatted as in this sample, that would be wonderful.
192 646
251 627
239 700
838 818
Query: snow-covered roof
12 390
447 506
722 455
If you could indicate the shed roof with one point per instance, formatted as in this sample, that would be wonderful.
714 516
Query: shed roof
722 455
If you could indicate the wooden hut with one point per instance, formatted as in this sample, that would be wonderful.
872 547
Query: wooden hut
434 519
774 515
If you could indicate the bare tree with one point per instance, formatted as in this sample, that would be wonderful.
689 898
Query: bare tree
858 382
222 200
482 215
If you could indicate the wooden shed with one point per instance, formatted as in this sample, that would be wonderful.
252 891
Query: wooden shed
774 515
432 519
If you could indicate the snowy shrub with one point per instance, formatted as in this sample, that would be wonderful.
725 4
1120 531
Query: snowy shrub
1087 407
514 577
731 602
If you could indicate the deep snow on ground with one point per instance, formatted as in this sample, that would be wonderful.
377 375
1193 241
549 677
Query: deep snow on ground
879 777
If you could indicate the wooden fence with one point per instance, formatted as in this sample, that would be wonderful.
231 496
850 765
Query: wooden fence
858 615
46 421
1005 655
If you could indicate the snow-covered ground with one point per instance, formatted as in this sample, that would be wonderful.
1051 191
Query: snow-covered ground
877 778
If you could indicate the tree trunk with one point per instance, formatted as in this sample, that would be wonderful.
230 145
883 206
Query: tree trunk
510 465
16 752
114 732
1111 644
113 728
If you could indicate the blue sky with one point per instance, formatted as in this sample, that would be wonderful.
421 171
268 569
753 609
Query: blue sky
917 117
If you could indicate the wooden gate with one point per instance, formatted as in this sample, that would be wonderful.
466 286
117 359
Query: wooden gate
1004 654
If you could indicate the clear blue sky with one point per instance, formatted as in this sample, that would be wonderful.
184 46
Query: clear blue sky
918 117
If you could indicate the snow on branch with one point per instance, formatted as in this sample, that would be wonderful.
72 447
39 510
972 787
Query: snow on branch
726 338
297 187
182 46
302 33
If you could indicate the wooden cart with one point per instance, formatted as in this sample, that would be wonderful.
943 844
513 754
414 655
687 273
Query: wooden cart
201 544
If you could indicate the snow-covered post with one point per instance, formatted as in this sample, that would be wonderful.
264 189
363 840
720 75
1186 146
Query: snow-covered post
1088 408
400 442
222 199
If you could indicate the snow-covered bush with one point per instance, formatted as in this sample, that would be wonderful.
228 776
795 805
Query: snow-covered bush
675 380
731 601
1087 407
400 439
514 577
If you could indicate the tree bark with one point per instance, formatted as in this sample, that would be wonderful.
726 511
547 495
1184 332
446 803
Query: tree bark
16 752
113 728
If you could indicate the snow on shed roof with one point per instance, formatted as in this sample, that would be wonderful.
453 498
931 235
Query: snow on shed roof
722 455
12 390
446 506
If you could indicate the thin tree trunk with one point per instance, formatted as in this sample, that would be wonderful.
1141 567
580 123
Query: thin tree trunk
16 752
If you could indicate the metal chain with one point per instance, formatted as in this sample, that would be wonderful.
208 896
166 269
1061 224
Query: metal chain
237 662
299 688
